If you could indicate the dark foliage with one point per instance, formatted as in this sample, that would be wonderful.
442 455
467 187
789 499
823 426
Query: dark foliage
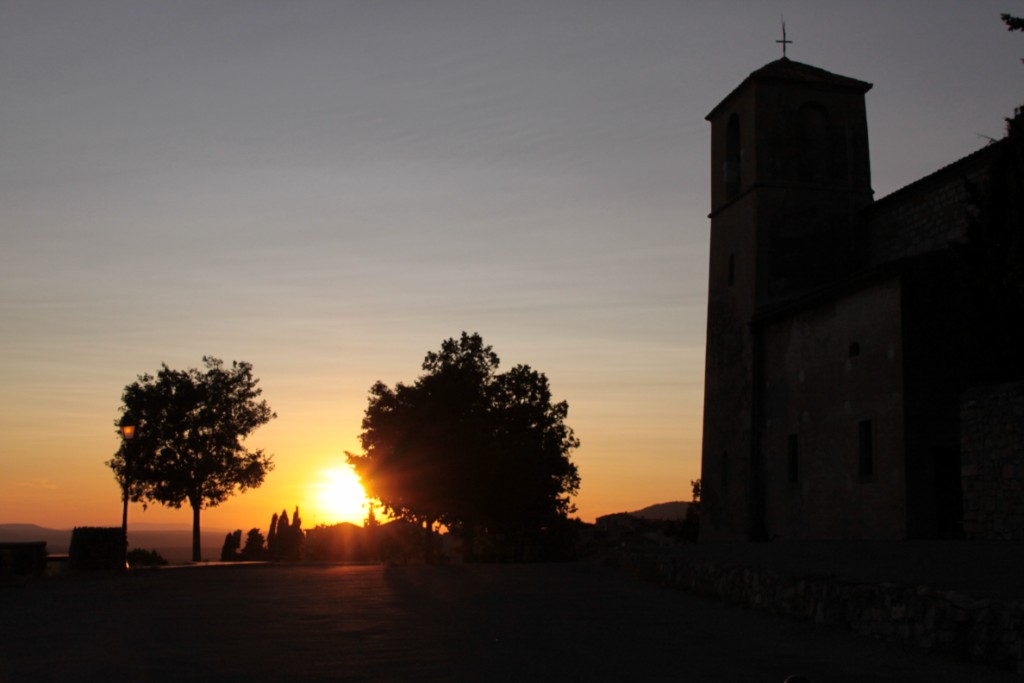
138 557
481 452
189 428
255 548
288 537
689 529
232 543
97 549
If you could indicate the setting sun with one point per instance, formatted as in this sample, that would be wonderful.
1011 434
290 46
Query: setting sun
340 497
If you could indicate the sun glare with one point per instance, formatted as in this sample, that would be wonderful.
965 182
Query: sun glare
340 497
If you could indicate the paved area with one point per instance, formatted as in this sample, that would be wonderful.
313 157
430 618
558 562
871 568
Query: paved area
982 569
571 622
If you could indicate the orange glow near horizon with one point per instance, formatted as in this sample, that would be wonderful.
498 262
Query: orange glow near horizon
339 497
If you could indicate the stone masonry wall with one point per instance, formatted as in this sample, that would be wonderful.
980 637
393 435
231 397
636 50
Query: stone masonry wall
927 214
992 461
986 631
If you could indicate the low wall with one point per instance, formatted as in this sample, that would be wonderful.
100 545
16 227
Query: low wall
986 631
23 559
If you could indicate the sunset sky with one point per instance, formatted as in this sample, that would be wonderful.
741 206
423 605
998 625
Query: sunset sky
329 189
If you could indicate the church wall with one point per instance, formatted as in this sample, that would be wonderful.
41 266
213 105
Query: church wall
832 387
992 452
935 369
926 215
726 481
813 137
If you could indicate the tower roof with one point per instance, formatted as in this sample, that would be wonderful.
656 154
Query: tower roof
786 70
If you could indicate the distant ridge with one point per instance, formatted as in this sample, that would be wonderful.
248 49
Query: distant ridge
174 542
674 510
57 540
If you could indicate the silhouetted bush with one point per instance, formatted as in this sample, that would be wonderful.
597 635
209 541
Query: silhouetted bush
137 557
97 549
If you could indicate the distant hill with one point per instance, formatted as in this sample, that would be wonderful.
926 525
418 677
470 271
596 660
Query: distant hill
57 540
175 544
669 511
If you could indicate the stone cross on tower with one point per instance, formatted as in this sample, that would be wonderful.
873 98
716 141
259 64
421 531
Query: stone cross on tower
784 41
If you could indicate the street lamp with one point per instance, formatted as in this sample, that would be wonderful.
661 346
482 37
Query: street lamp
127 432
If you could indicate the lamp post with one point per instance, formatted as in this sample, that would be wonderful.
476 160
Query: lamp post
127 432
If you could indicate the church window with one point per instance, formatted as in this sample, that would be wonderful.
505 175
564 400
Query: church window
866 450
792 458
732 269
725 469
731 167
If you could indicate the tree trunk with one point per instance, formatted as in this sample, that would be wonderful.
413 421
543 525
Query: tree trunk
124 528
197 553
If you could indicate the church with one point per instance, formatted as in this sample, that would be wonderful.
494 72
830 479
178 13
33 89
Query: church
863 366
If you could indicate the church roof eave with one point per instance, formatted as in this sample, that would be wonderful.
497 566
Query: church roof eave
786 70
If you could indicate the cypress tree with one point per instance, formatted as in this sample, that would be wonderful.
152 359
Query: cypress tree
272 537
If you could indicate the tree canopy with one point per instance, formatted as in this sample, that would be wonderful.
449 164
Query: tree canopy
189 429
468 447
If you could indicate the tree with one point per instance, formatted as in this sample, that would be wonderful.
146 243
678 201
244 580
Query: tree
691 523
232 542
272 537
190 425
288 536
470 448
254 549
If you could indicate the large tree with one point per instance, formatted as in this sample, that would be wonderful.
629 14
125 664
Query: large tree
468 447
189 429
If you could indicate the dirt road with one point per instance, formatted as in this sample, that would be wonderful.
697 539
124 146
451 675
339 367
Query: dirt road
576 622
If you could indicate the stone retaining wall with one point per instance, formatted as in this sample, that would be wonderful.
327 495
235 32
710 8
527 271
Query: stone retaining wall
992 461
989 632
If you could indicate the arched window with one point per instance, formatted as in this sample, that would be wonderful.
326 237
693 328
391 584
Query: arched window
731 166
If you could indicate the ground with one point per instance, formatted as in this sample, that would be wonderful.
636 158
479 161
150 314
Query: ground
560 622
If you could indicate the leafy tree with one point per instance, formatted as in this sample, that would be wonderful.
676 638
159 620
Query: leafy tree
190 425
470 448
254 548
1013 23
691 523
232 542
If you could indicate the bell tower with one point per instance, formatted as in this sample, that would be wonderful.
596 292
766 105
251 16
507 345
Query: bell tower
790 173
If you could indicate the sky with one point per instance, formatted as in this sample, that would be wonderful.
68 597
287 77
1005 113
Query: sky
329 189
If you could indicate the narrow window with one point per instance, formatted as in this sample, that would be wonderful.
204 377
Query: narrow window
732 269
854 350
793 458
731 167
866 450
725 469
